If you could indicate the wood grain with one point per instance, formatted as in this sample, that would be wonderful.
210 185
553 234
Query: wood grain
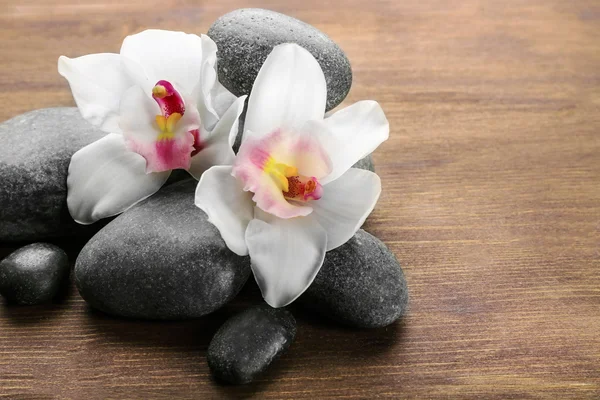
491 202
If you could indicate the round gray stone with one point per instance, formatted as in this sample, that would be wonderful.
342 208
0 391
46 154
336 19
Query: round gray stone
249 342
360 284
245 38
33 274
161 259
35 152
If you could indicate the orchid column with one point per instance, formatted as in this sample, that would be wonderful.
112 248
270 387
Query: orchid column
291 194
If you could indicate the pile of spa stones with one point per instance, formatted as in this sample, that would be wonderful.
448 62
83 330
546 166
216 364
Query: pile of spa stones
190 273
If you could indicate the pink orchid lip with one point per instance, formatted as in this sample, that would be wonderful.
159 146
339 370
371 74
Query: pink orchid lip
171 102
198 144
171 148
283 169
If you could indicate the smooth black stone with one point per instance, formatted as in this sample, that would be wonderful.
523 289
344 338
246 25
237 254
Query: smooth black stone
360 284
161 259
245 37
35 152
249 342
33 274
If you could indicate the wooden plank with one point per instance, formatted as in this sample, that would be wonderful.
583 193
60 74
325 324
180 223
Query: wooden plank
491 202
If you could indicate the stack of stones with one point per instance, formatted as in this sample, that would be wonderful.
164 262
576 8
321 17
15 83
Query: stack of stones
162 259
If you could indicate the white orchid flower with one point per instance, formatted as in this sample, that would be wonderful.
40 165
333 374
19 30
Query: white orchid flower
291 194
164 109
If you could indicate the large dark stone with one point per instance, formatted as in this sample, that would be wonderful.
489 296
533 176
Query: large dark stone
35 151
161 259
245 38
249 342
34 274
360 284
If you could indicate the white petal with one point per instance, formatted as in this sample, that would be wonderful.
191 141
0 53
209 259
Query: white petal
222 98
228 207
218 145
165 55
286 255
97 81
289 90
219 153
227 128
212 98
106 179
138 115
202 91
345 205
352 134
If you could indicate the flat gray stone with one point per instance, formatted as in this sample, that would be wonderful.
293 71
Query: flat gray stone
161 259
245 37
35 152
249 342
34 274
360 284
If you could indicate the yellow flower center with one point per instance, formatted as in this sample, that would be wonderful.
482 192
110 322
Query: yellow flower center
280 173
167 126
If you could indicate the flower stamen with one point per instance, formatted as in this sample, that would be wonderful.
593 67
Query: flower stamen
293 185
303 188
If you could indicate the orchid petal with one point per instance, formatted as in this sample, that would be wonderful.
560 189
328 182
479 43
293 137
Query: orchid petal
227 128
201 92
352 134
164 55
219 153
222 98
140 129
345 205
106 179
286 255
228 207
97 82
289 90
300 148
216 149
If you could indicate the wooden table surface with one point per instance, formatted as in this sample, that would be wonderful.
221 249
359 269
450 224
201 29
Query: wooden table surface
491 201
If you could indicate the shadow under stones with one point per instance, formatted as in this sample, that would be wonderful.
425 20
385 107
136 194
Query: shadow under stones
175 333
23 315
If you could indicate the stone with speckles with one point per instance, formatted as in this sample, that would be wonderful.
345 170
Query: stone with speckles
34 274
249 342
161 259
246 36
365 163
35 151
360 284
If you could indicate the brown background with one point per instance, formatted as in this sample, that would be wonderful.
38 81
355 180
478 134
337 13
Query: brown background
491 202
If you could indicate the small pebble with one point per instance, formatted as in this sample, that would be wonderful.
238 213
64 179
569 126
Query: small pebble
249 342
33 274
